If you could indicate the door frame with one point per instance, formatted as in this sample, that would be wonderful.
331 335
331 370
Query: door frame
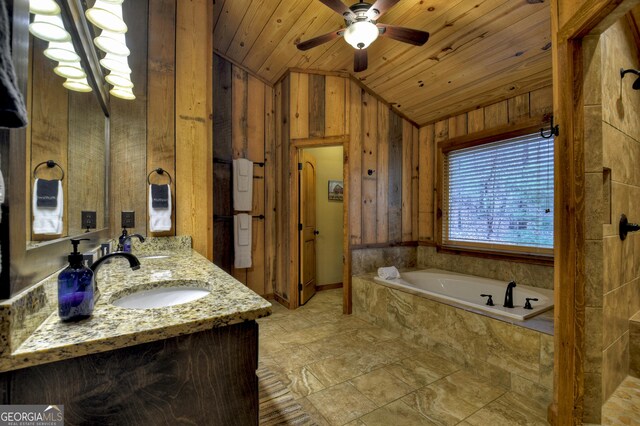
593 16
294 261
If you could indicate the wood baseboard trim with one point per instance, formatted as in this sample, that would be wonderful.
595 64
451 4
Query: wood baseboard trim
269 296
325 287
282 301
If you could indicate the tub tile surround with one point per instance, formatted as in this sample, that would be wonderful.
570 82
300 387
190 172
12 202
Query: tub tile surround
364 374
507 355
112 327
370 259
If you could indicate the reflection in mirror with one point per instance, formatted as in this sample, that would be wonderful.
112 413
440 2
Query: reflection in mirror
69 128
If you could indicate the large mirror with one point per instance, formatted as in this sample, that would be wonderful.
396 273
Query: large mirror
70 128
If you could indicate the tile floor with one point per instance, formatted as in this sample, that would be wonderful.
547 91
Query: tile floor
623 407
343 370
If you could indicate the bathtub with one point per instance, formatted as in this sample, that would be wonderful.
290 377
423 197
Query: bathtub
465 290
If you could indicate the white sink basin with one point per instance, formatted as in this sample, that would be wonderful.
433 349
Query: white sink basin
161 297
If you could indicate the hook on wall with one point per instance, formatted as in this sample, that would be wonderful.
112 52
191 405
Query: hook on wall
625 227
636 84
553 130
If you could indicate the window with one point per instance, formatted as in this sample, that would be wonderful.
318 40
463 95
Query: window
499 196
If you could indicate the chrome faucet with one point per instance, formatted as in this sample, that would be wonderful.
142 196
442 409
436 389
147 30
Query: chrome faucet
123 241
508 297
134 263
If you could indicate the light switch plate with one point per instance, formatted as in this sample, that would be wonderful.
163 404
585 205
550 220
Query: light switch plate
88 220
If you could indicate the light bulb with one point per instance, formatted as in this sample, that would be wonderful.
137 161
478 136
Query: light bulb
70 70
361 34
115 63
77 85
107 15
44 7
61 51
111 42
122 93
119 79
49 28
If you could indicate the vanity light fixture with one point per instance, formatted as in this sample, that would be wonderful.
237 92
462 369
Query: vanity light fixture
61 51
49 28
112 42
44 7
361 34
107 15
117 63
119 79
122 93
77 85
70 70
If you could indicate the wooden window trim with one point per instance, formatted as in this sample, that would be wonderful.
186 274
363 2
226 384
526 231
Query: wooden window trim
522 254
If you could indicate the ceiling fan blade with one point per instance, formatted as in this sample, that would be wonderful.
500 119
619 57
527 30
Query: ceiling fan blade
339 7
380 7
317 41
406 35
360 61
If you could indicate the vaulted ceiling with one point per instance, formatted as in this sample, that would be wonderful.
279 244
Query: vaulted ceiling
479 52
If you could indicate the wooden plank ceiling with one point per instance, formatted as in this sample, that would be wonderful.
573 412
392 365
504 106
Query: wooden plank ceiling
480 51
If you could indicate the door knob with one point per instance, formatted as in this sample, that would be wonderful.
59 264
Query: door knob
316 232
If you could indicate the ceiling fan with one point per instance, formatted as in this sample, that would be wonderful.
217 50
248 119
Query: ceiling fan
362 29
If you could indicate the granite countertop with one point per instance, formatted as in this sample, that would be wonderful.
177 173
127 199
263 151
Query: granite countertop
112 327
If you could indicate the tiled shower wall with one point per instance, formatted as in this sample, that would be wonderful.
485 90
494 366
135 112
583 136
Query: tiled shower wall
612 187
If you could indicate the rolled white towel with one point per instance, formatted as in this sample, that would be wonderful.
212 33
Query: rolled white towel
388 273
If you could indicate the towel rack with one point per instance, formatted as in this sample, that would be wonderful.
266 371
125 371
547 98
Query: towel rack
50 164
221 161
159 171
223 217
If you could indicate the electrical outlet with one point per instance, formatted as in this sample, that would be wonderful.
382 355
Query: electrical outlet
88 220
129 220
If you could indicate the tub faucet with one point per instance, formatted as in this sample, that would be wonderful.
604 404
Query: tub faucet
134 263
508 297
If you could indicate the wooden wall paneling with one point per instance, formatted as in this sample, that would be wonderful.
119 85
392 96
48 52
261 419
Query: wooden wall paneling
129 130
49 126
239 112
316 105
270 121
426 183
395 177
299 113
475 120
255 153
335 92
369 165
496 115
541 102
518 107
382 173
407 193
458 125
356 155
161 96
86 161
222 149
283 199
194 145
415 168
441 130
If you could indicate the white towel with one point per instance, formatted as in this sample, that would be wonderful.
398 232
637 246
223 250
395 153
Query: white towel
46 220
242 185
159 219
388 273
242 240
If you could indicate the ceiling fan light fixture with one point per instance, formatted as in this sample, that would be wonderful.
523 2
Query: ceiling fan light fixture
361 34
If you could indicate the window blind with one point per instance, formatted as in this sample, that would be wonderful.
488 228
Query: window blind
500 193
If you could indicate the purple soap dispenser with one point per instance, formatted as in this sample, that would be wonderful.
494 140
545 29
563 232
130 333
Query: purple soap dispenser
75 287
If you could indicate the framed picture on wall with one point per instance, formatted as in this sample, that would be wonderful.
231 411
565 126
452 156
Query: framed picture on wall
336 190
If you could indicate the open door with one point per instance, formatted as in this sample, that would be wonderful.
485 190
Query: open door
308 232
